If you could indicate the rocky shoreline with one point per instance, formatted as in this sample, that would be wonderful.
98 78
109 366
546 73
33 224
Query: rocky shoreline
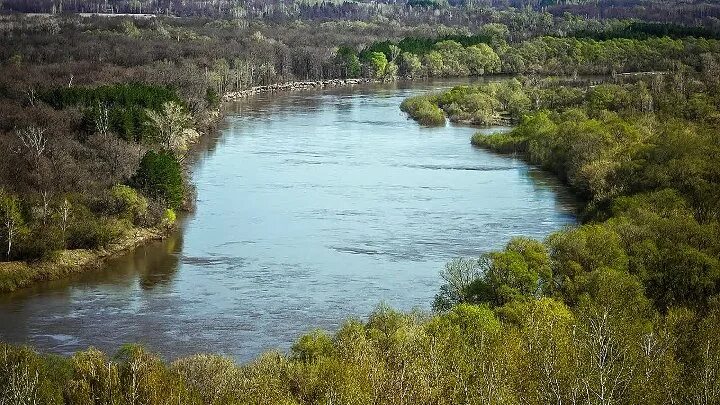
290 86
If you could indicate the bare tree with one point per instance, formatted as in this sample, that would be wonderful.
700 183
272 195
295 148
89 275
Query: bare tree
45 205
458 275
173 126
11 219
102 121
34 141
64 215
21 384
32 96
122 157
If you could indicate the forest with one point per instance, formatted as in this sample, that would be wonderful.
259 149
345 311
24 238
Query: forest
84 127
98 120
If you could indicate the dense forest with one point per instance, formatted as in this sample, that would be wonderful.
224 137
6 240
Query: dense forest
98 115
688 12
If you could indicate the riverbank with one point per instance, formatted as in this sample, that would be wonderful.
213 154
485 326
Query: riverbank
16 275
20 274
325 213
290 86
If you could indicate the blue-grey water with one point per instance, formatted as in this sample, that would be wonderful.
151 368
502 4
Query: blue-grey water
312 207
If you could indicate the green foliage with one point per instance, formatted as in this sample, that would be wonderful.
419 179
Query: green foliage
90 232
126 105
495 103
212 97
422 110
521 271
481 59
169 218
460 276
349 62
500 142
643 164
160 176
377 63
39 242
312 346
623 309
410 65
535 351
125 202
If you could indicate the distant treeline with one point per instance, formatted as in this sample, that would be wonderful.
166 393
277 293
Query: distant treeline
687 12
644 30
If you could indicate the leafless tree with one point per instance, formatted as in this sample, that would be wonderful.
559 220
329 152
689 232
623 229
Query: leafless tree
32 97
21 386
102 121
45 205
34 141
119 157
11 218
64 215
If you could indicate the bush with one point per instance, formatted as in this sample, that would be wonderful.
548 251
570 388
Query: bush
212 98
40 242
500 142
94 233
312 346
160 176
169 218
423 111
125 202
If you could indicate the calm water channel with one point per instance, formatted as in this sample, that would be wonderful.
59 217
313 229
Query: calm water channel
312 207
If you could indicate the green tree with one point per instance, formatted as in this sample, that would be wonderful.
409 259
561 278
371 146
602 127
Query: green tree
579 252
312 346
434 64
410 65
520 272
453 60
377 62
160 176
480 59
348 62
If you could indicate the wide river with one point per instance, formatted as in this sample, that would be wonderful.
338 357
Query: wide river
312 207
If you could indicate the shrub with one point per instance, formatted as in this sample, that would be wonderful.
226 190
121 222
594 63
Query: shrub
125 202
39 242
423 111
169 218
94 233
160 176
500 142
312 346
212 98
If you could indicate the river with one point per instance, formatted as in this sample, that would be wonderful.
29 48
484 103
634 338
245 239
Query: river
312 207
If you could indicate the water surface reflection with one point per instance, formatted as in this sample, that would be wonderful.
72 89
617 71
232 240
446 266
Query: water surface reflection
311 207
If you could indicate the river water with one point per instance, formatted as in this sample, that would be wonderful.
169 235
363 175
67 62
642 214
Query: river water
312 207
